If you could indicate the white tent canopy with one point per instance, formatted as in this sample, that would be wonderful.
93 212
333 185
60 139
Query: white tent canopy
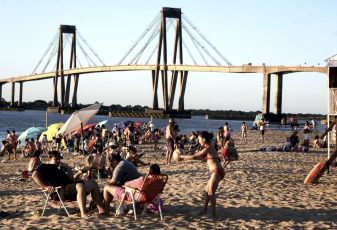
79 118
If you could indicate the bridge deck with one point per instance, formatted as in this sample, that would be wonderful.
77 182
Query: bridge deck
223 69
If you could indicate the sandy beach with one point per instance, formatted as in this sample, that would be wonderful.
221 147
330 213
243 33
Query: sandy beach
262 190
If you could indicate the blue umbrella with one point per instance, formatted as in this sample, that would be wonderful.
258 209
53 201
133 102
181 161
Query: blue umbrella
123 124
32 132
101 123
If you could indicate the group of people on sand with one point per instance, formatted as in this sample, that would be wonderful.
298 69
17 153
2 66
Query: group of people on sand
76 187
293 142
207 150
120 171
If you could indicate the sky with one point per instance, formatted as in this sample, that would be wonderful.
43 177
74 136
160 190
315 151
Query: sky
287 32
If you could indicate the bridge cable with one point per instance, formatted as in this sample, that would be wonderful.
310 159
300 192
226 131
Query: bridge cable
86 54
45 53
154 50
141 37
203 36
188 50
154 33
51 55
196 43
85 42
65 42
153 36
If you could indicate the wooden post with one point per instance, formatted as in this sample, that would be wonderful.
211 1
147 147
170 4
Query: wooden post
331 158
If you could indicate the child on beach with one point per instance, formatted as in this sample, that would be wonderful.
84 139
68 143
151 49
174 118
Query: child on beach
262 128
156 137
228 150
244 129
217 171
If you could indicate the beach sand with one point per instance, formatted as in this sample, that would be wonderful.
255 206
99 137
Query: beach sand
262 190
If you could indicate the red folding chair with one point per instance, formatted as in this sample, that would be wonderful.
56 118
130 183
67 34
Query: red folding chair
149 193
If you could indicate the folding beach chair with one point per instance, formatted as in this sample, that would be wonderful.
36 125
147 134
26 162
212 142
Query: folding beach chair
60 201
149 193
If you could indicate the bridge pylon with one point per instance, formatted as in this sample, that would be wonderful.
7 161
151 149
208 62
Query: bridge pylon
168 97
65 90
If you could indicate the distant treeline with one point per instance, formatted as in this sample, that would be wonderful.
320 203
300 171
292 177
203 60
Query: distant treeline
42 105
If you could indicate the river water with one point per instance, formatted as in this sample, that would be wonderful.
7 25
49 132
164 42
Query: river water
20 121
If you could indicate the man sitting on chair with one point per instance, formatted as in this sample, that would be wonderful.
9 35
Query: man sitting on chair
57 174
124 171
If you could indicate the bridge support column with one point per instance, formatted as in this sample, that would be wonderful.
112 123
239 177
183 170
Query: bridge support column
183 81
278 93
266 94
155 87
12 94
1 94
20 93
55 101
74 101
168 96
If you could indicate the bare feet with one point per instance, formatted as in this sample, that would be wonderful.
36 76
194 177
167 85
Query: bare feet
202 213
84 216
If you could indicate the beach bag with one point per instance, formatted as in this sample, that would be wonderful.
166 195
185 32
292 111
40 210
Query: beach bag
298 149
153 208
234 153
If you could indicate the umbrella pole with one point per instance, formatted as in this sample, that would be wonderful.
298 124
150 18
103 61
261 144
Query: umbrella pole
82 138
46 119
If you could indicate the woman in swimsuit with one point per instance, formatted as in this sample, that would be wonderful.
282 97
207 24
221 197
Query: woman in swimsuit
217 171
306 134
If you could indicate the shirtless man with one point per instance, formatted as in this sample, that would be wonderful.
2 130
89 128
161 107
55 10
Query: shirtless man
29 148
170 137
244 129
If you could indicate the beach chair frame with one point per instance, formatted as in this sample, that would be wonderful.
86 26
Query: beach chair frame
149 193
61 202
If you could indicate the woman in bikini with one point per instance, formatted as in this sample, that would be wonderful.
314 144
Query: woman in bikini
217 171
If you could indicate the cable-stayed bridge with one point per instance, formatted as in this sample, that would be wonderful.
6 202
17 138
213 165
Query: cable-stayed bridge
148 53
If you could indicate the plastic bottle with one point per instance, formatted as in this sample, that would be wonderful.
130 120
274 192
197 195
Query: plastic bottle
32 213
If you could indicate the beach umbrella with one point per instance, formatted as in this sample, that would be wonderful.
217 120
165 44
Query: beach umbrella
123 124
84 128
52 129
101 123
78 119
32 132
138 124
